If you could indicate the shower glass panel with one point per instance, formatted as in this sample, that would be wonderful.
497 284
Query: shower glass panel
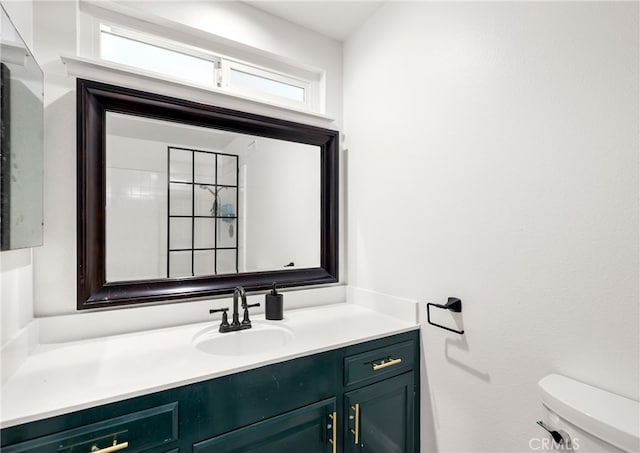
207 206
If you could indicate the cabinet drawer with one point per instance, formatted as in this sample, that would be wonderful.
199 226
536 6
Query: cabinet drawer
133 432
378 363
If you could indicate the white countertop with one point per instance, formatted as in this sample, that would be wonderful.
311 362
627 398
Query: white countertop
64 377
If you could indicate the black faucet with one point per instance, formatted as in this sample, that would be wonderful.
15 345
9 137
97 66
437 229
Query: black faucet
235 320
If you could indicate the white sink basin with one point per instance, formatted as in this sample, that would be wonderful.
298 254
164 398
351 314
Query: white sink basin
259 339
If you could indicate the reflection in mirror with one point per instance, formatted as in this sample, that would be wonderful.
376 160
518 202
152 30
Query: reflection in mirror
21 143
188 201
182 200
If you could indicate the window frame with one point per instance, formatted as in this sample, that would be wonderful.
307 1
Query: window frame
223 65
228 65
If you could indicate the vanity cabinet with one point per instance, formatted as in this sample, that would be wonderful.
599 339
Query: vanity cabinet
305 405
309 429
379 399
379 417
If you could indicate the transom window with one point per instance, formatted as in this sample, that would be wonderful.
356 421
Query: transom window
203 68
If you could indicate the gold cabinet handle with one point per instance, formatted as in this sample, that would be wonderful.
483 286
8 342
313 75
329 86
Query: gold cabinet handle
383 364
334 435
356 426
115 447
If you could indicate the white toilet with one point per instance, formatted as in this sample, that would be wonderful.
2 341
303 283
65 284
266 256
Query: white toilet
590 419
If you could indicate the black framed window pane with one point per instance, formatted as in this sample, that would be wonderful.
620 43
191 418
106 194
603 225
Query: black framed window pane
179 233
205 167
226 261
206 200
204 233
227 233
180 165
180 264
228 199
180 199
227 170
204 262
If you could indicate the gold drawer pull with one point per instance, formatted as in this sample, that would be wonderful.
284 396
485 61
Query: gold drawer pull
383 364
334 436
356 431
115 447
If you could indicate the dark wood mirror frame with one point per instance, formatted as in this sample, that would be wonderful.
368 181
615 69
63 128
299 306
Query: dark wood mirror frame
94 100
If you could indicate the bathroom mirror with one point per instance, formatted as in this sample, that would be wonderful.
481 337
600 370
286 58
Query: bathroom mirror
178 200
21 143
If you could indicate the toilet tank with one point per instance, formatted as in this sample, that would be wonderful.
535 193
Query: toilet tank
595 420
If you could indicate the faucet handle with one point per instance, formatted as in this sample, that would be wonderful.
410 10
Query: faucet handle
225 320
245 318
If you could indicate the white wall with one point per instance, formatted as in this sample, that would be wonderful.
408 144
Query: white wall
493 156
16 292
21 14
136 207
16 269
55 34
282 188
55 262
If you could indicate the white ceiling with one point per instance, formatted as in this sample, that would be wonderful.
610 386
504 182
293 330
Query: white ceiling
334 19
167 132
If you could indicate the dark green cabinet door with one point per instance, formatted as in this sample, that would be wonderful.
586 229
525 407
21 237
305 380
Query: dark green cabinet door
381 415
305 430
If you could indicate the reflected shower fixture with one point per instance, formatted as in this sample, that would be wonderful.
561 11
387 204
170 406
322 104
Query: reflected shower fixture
215 210
216 199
